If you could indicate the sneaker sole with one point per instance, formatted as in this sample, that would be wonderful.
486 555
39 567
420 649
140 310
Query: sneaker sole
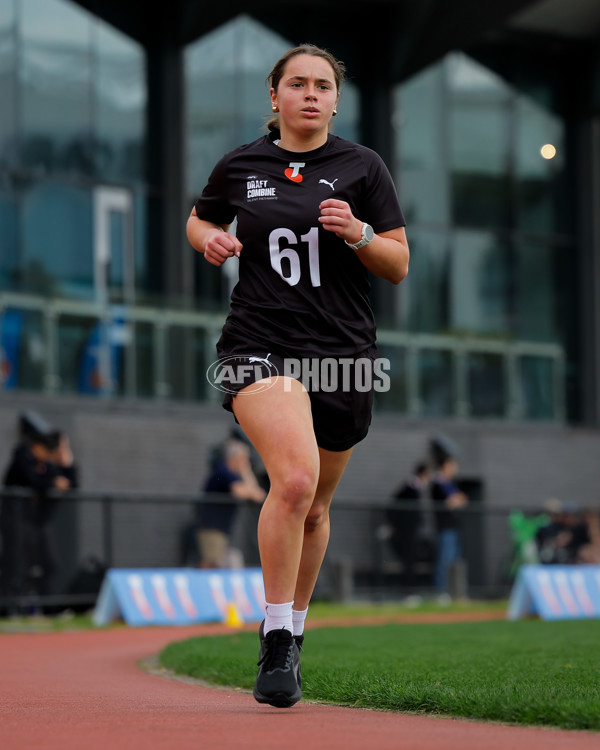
278 700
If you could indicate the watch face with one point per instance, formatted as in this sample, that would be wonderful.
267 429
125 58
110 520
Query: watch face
368 232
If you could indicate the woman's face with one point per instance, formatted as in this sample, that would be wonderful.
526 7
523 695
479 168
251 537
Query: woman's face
306 95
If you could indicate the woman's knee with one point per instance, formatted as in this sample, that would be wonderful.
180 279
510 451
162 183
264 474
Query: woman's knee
297 488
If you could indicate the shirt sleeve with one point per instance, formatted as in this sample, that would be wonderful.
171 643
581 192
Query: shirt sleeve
213 204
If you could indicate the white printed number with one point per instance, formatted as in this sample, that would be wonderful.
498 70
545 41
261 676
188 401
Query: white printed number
278 253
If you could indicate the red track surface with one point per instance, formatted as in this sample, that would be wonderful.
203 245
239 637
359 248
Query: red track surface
86 691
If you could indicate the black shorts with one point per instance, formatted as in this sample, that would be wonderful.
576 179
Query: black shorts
340 389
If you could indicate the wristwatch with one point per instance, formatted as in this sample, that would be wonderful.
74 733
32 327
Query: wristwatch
366 235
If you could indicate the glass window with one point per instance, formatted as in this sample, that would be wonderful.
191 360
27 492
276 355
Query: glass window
536 284
421 148
55 86
9 259
423 296
499 268
8 120
487 386
120 103
56 232
179 364
466 77
480 164
396 398
479 143
79 355
187 362
437 383
93 356
539 161
479 284
144 360
537 387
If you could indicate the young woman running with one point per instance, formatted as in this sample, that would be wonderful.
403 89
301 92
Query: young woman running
315 214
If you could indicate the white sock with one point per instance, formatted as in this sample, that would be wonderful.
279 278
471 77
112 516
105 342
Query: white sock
298 618
278 616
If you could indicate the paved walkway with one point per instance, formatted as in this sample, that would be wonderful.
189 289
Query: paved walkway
85 690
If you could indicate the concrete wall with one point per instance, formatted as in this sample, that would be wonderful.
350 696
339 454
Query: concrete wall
152 449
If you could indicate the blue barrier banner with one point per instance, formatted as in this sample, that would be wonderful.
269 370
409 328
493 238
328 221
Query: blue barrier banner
179 596
556 592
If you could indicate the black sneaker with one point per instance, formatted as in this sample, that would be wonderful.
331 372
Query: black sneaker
299 641
278 682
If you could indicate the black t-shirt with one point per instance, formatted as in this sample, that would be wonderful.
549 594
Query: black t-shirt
26 471
300 287
441 489
212 513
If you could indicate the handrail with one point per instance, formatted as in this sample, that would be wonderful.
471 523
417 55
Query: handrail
458 345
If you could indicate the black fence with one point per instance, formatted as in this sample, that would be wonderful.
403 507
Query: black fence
54 552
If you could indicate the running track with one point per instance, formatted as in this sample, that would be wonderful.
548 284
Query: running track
85 690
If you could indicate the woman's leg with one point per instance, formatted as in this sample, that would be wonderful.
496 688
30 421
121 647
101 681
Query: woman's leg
316 525
293 528
278 421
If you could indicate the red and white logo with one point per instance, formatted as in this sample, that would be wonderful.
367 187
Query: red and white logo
136 588
293 171
182 589
239 594
159 585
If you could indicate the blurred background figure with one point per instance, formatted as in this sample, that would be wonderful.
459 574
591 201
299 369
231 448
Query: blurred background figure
448 501
590 553
565 539
405 522
233 478
42 462
62 459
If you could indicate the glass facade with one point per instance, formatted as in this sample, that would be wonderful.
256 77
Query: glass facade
486 224
73 98
475 331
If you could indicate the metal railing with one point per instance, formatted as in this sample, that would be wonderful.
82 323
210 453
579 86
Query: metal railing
55 345
93 532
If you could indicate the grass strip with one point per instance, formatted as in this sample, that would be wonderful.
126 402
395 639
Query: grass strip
526 672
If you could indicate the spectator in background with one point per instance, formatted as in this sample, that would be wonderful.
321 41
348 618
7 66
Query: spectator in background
62 459
565 540
231 476
590 553
40 463
448 501
405 522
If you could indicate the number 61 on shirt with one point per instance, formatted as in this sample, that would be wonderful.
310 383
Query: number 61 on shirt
277 253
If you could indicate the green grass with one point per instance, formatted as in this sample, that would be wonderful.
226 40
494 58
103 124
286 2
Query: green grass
526 672
45 624
322 609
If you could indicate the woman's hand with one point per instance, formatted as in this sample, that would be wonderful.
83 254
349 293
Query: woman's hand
385 256
220 245
337 217
213 240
